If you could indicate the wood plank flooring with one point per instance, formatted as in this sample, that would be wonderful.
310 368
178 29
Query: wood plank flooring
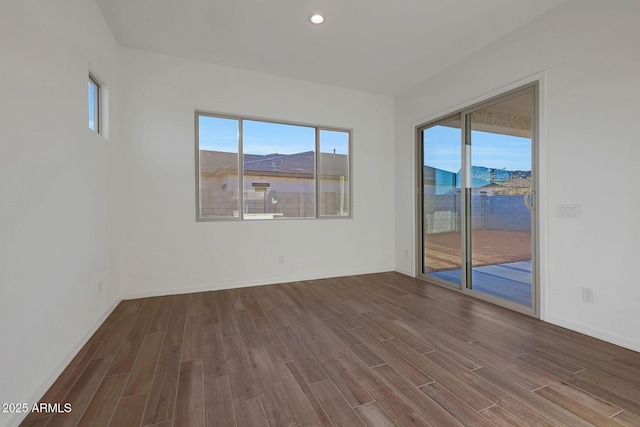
371 350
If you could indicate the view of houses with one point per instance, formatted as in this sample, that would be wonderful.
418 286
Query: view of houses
274 185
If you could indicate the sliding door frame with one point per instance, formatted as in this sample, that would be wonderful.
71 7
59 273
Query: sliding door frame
462 115
420 201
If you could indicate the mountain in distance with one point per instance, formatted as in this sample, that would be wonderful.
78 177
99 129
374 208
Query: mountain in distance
502 181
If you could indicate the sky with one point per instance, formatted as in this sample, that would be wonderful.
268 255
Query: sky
220 134
442 144
442 150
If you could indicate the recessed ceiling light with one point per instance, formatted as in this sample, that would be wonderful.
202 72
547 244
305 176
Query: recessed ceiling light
316 18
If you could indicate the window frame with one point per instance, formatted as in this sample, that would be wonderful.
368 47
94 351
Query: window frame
241 202
97 105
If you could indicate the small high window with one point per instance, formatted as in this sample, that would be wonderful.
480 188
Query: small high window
94 105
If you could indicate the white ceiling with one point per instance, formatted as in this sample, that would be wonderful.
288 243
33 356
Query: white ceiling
379 46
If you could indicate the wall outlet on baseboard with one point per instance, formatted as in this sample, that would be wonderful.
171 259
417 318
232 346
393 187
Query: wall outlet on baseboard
280 259
587 295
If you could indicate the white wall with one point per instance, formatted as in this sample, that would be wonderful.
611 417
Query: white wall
587 52
162 249
54 190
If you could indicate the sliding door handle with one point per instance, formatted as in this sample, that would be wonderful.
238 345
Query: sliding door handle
528 200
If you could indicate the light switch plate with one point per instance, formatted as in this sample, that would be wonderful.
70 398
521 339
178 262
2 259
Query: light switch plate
568 211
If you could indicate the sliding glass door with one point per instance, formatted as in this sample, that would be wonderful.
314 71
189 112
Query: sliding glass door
441 203
476 202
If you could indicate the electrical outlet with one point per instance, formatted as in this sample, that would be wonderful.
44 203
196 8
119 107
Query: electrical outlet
100 287
281 259
587 295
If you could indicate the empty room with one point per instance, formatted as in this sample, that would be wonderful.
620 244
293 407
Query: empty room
322 212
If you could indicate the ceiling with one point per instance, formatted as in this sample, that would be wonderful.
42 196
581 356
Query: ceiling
378 46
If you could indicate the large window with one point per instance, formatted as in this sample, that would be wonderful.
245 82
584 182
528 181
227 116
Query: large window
255 169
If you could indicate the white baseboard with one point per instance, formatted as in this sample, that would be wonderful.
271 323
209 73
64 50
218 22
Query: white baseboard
234 285
595 333
405 272
17 418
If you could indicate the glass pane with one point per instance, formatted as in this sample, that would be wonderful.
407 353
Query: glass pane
279 170
500 181
441 210
333 171
218 140
93 103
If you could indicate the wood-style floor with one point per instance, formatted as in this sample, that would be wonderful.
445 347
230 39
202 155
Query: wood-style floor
376 350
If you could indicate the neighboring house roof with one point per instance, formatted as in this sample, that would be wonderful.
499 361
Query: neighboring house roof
297 164
214 161
334 165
